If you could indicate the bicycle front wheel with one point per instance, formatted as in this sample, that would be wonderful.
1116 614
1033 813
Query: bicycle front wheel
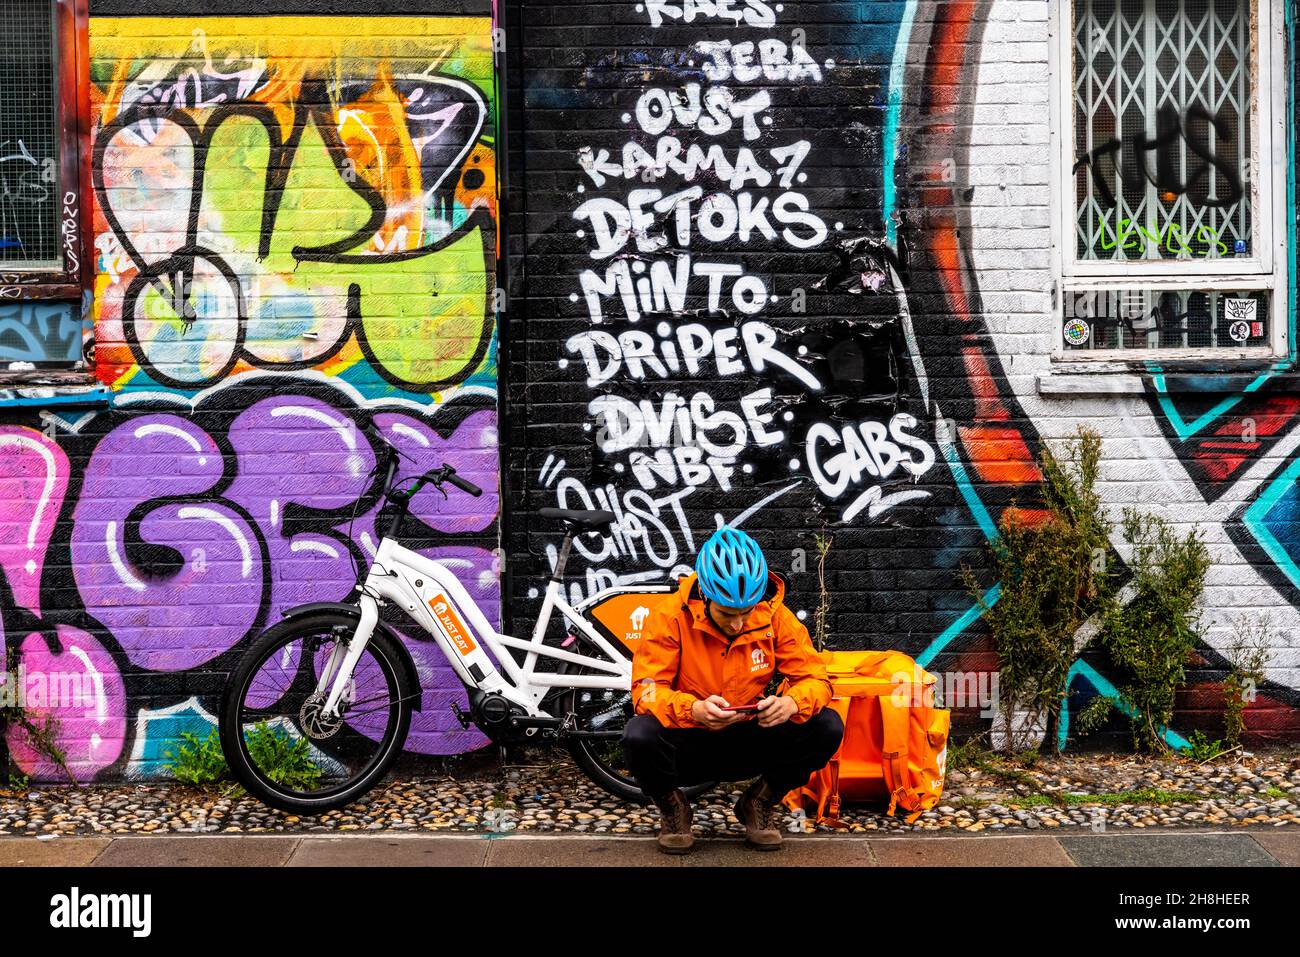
277 743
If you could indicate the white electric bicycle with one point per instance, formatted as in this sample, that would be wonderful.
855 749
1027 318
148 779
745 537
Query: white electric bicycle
319 707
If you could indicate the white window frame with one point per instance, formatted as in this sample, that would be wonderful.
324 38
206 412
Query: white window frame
1265 269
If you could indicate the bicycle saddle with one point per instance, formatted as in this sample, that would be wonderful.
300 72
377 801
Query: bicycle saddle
584 518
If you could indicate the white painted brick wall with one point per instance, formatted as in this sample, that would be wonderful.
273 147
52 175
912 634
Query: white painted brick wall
1010 216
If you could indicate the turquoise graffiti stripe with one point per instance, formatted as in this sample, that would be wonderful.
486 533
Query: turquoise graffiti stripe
960 475
1107 690
889 148
897 70
1257 512
1185 429
963 621
985 522
96 396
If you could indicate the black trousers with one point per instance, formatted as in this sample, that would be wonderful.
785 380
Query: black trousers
665 758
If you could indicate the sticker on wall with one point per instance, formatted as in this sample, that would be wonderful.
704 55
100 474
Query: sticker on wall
1240 310
1239 331
1076 332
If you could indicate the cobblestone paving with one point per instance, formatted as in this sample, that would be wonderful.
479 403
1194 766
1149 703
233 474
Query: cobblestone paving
1091 792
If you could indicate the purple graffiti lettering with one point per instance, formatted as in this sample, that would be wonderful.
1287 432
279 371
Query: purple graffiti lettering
302 464
173 571
471 449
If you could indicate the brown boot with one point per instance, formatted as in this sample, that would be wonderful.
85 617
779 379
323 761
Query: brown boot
757 810
675 823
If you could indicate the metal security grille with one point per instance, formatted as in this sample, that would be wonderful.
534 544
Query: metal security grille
1164 319
1163 118
29 136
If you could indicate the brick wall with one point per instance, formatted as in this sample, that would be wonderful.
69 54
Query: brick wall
295 239
911 311
835 325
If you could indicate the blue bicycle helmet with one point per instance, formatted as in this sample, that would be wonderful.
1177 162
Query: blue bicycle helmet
731 569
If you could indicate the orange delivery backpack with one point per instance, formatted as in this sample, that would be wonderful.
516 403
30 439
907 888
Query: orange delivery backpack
895 740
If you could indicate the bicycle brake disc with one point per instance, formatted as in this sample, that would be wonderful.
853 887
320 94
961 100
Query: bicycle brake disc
314 723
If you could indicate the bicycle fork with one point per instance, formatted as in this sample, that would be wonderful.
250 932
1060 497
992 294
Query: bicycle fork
344 657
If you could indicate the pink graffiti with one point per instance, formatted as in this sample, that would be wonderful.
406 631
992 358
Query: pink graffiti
33 480
79 691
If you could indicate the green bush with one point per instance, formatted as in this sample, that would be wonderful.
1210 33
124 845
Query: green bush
283 758
1094 715
1151 636
1054 576
1201 748
198 761
1058 596
1248 655
38 732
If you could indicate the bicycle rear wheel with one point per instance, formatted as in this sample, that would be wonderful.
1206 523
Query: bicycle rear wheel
276 742
606 711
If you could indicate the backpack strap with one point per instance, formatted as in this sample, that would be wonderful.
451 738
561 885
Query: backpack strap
833 805
894 754
829 813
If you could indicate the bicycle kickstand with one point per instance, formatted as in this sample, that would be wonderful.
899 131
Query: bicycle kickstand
461 716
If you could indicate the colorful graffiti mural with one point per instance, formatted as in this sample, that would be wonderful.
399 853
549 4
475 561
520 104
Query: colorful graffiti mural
367 245
762 274
296 241
774 313
1183 450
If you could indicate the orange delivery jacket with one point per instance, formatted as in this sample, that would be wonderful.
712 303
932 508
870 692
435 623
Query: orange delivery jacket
683 657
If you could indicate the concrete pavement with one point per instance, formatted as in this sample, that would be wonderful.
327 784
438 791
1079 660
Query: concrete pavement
1257 848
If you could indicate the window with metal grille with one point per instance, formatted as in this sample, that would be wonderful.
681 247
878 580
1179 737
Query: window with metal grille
29 137
1162 127
1170 237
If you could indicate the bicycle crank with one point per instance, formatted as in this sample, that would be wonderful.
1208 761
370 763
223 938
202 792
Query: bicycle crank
502 719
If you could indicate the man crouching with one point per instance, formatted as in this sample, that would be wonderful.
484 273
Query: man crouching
706 654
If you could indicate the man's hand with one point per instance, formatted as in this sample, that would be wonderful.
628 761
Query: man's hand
773 711
709 713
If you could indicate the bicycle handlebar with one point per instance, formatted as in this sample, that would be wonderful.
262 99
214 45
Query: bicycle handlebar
445 473
461 483
436 477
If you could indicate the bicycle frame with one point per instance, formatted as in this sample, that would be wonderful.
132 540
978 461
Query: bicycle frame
434 597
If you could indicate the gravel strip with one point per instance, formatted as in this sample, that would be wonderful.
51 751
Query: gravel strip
1241 789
